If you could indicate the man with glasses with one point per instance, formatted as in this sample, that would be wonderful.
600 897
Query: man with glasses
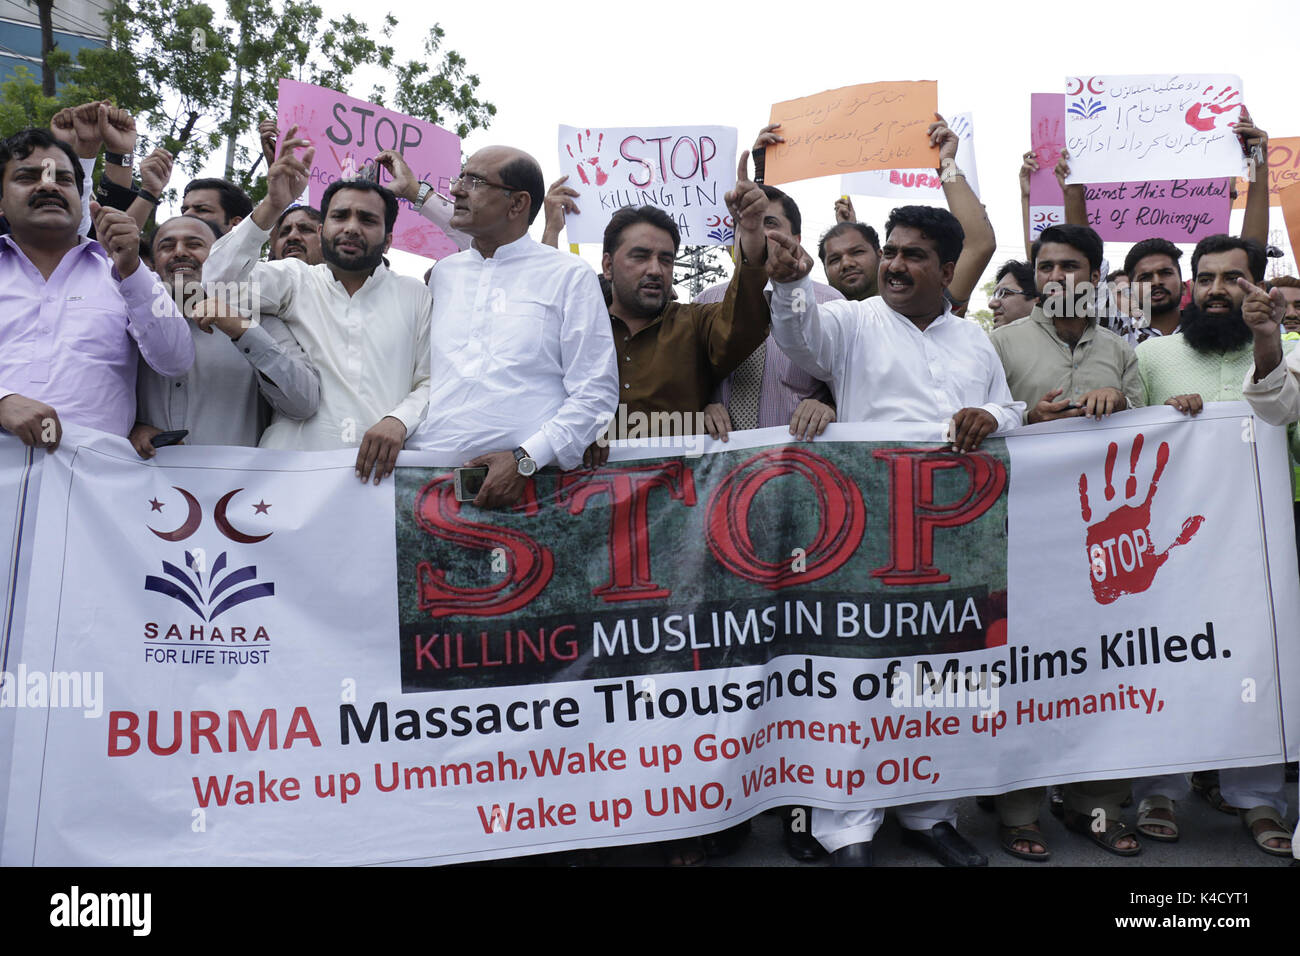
522 355
1015 293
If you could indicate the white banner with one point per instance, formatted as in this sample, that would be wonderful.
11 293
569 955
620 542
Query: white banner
1153 126
223 660
684 170
918 185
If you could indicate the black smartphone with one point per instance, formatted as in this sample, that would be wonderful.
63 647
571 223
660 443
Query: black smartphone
469 481
162 439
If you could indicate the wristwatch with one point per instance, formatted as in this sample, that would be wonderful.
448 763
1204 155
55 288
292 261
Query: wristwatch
527 467
118 159
425 191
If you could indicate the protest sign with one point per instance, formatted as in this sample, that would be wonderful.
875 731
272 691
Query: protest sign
684 170
659 648
870 126
1153 126
349 133
918 185
1283 170
1290 196
1179 210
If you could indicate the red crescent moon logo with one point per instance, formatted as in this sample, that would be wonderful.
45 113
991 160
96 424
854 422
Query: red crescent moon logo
191 523
1077 89
224 526
1090 89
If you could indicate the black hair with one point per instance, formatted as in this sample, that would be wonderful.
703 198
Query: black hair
1083 238
631 216
1152 247
1114 274
840 228
524 175
1022 272
153 236
234 201
312 213
788 206
1255 254
364 185
22 143
938 225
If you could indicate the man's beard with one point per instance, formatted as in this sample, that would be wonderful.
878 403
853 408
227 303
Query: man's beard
630 300
1214 333
366 261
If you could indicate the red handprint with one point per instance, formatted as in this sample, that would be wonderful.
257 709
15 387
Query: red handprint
592 161
1221 103
1120 555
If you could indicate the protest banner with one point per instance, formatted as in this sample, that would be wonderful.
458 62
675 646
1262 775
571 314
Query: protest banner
1152 126
1179 210
684 170
298 668
1290 196
918 185
1283 170
869 126
349 133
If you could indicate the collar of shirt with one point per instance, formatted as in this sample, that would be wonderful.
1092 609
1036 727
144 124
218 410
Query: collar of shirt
511 250
9 247
1049 326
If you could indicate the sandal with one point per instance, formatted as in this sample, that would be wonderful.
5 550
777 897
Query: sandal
687 852
1056 800
1114 832
1274 831
1206 783
1147 818
1009 836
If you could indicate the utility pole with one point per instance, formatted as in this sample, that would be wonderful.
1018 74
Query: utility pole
698 267
45 10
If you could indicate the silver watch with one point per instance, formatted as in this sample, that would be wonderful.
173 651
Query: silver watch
425 192
527 467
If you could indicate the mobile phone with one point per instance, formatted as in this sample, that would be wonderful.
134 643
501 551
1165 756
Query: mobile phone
162 439
369 172
469 481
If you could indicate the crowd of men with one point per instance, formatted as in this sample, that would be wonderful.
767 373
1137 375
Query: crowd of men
516 356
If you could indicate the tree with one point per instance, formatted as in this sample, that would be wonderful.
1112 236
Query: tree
983 316
195 79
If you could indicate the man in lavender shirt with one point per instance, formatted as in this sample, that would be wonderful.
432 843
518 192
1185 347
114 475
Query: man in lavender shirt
768 389
75 315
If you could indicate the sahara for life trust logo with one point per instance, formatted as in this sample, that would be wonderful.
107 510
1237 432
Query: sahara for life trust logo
208 587
1121 555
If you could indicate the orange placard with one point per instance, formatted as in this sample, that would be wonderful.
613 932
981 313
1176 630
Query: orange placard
1290 196
1283 170
870 126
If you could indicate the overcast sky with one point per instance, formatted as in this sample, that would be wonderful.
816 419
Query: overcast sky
590 63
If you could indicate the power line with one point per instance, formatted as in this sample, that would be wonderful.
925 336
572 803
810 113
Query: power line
76 22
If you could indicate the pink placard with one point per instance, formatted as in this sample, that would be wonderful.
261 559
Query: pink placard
347 133
1180 210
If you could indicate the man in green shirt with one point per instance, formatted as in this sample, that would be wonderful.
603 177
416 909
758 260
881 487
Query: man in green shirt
1209 362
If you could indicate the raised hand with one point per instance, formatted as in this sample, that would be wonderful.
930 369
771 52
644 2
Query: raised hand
945 139
1262 311
267 132
117 129
747 203
404 183
768 136
558 202
787 261
156 171
1027 168
288 175
844 211
1063 167
119 234
85 126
